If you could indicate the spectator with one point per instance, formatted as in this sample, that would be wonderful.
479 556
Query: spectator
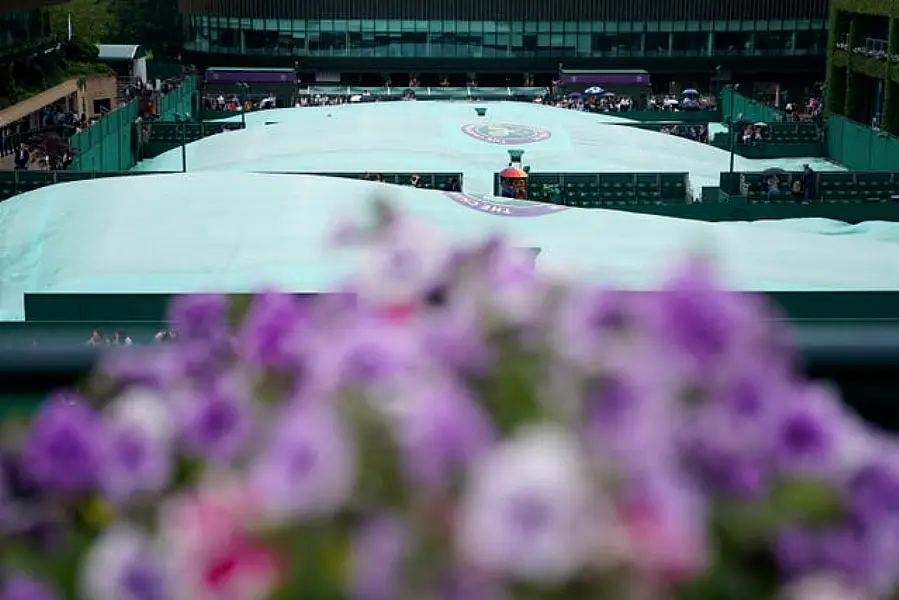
415 181
120 338
452 185
809 192
97 339
23 157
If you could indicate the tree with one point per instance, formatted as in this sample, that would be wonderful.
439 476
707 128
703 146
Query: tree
154 24
53 148
92 20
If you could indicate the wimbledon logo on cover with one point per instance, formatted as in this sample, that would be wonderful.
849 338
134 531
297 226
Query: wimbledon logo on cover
506 133
504 207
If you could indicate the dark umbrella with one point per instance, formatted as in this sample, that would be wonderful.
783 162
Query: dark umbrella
773 171
574 95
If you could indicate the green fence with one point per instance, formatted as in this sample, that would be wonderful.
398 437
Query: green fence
142 315
107 144
19 182
734 104
180 101
681 116
861 148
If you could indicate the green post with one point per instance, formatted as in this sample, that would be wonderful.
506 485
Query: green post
183 122
731 127
244 91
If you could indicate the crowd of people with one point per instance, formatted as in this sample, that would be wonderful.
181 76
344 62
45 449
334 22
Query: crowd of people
697 133
20 138
120 338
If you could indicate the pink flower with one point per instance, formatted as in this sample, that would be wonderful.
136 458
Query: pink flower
667 538
211 554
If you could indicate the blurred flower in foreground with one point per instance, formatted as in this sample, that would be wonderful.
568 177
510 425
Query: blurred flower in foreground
20 587
528 513
124 565
454 425
64 449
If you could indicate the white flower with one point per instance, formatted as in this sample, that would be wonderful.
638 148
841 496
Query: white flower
123 565
145 409
529 508
822 587
138 445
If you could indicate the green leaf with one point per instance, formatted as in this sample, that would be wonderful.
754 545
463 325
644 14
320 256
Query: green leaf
789 500
238 308
315 558
806 500
509 392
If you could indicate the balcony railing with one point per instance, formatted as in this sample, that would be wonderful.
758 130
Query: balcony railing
874 48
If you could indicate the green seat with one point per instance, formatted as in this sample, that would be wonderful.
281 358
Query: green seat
874 186
7 184
673 187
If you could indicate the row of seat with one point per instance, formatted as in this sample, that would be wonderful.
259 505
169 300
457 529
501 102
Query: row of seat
839 186
787 132
426 180
799 132
581 189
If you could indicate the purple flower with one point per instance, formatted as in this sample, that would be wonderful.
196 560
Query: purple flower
629 413
270 334
456 338
594 323
22 587
866 556
708 325
216 420
376 559
200 316
63 451
371 353
308 467
860 554
814 435
795 551
441 431
123 565
873 491
138 452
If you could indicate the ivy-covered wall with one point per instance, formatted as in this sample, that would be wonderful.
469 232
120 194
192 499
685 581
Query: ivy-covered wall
890 117
868 7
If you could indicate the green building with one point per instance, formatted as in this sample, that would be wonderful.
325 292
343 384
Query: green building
863 62
24 26
498 42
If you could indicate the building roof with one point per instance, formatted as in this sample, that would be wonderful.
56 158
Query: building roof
120 52
37 102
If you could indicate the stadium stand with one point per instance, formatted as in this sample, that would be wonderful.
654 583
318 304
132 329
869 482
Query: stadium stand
18 182
836 187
